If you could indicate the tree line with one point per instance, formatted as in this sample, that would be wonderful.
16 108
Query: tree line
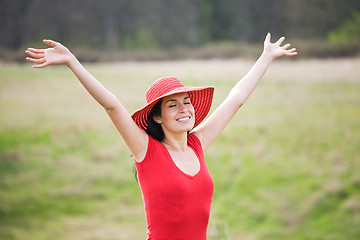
165 24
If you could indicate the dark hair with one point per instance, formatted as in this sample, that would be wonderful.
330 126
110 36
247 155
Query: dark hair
153 128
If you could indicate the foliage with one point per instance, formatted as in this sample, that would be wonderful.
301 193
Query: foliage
124 24
347 32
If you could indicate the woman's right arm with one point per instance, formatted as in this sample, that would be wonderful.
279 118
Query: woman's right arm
135 138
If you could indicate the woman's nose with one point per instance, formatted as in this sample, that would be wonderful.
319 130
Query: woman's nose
182 107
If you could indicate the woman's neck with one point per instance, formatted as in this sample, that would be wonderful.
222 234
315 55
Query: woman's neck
175 142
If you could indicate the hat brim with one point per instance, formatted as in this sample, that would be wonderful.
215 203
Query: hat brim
201 99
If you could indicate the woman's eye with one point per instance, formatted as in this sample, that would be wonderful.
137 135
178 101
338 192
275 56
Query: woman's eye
173 105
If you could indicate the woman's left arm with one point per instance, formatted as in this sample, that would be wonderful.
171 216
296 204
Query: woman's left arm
210 129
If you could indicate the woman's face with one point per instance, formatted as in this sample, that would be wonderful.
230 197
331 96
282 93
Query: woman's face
177 113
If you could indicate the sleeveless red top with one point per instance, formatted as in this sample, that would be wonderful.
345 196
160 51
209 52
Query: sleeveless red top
177 205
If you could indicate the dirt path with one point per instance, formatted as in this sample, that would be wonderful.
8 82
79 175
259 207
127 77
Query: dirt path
289 70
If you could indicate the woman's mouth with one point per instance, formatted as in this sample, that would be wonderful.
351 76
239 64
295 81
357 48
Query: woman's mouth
183 119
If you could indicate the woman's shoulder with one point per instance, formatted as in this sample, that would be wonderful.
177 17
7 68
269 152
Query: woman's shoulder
152 147
194 140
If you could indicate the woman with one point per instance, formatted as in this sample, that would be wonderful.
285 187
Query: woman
176 185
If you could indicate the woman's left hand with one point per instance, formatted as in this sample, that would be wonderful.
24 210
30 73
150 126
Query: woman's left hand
275 50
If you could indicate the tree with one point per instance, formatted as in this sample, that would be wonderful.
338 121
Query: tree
349 31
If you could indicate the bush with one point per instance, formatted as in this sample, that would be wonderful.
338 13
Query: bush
347 32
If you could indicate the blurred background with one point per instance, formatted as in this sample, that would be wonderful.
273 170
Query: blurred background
215 28
286 167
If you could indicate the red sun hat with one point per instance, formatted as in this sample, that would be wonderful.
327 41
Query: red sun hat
201 99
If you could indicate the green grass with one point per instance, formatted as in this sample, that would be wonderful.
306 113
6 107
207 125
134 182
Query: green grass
286 167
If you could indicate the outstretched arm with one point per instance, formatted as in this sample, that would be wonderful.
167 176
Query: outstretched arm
59 54
210 129
134 137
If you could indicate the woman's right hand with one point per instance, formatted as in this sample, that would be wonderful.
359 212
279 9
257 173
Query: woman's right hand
58 54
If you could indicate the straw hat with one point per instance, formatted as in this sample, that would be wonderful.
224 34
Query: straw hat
201 99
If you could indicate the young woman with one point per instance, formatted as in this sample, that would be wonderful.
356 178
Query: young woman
167 139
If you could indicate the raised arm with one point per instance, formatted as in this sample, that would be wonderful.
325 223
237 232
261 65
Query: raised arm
135 138
210 129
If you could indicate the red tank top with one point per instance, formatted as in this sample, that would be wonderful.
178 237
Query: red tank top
177 205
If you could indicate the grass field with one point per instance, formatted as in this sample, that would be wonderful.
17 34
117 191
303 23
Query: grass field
286 167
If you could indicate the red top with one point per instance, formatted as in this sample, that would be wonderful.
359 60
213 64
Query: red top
177 205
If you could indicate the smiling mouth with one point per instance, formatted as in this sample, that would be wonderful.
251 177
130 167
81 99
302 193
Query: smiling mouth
182 119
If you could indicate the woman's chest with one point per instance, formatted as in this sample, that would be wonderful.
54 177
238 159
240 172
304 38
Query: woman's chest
185 161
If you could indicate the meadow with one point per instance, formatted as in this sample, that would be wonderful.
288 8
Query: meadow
286 167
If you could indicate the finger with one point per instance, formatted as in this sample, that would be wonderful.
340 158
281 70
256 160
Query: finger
268 37
50 42
286 46
35 50
35 60
280 40
35 55
40 65
291 52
